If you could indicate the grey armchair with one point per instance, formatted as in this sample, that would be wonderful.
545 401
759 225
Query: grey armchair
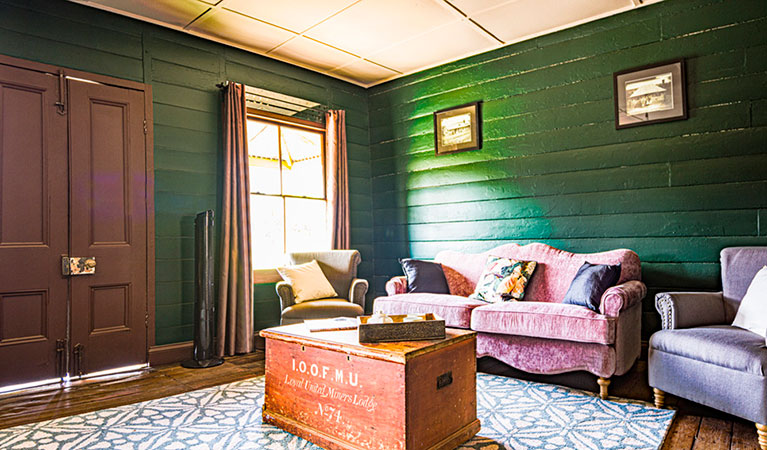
699 356
340 268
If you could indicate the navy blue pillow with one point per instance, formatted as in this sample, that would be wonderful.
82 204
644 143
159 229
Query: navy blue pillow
424 276
591 281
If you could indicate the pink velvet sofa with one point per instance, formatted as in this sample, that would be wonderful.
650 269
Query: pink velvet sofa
540 334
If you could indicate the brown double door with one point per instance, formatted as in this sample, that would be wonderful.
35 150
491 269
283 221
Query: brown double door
72 183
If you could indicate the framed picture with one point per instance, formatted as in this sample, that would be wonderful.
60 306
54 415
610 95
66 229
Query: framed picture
650 94
458 129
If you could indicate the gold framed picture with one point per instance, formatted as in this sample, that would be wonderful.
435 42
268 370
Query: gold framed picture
458 129
650 94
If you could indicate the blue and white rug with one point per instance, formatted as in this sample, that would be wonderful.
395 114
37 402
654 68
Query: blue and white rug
515 414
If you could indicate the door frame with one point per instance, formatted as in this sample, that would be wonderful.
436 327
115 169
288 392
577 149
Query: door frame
149 162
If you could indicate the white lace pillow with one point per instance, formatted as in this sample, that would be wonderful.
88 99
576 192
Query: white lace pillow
752 313
308 281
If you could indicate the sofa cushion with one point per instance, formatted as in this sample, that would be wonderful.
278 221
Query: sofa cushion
752 312
308 281
720 345
554 271
424 276
591 281
544 320
454 309
503 279
320 309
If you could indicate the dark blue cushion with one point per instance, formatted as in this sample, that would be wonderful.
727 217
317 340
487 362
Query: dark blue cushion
591 281
424 276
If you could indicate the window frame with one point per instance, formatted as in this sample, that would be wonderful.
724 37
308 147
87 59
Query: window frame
261 276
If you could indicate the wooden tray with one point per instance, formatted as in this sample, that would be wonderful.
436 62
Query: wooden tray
431 328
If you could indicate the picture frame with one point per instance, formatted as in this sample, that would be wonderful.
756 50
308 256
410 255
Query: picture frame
458 129
650 94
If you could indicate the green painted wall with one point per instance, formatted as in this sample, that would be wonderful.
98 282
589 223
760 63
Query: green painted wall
183 71
554 169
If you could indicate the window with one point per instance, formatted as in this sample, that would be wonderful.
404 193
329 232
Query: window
287 189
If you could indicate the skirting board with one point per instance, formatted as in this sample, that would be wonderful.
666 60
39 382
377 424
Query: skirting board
170 353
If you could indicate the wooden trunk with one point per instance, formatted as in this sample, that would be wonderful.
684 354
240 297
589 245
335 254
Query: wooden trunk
339 394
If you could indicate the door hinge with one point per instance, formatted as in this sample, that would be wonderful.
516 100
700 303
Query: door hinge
145 128
61 104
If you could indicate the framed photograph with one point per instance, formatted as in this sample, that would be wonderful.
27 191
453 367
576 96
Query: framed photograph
458 129
650 94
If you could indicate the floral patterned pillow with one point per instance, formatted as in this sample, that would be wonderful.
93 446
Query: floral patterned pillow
503 279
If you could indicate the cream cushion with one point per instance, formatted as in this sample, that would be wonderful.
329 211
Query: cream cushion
752 313
308 281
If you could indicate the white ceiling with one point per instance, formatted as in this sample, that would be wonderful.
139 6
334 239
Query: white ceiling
367 42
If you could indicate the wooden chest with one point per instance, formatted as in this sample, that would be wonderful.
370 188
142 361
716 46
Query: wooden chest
339 394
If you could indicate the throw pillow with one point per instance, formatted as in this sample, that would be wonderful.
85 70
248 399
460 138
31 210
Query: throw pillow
308 281
752 312
424 276
591 281
503 279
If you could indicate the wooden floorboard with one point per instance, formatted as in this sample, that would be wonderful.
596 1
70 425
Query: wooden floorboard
695 427
54 401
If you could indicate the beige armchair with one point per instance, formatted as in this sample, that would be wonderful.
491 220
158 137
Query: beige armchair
340 268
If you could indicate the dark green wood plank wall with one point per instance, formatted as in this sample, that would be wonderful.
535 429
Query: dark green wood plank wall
183 71
554 169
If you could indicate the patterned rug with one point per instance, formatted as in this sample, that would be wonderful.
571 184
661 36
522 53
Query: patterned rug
515 414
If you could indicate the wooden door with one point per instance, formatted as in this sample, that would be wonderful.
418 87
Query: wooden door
33 227
108 220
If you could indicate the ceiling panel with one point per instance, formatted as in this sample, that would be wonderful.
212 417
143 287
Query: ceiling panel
365 71
174 12
295 15
313 54
241 30
519 19
367 41
370 25
429 49
470 7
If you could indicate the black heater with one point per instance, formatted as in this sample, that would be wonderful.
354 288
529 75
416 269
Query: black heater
205 314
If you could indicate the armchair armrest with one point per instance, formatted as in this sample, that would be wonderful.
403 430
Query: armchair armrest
397 285
690 309
357 291
286 294
621 297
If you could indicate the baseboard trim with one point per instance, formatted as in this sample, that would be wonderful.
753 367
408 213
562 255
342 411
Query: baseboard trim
170 353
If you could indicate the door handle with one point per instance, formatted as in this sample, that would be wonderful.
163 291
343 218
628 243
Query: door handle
78 265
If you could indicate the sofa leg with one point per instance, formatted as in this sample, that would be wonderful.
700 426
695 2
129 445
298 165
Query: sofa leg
603 383
660 398
761 430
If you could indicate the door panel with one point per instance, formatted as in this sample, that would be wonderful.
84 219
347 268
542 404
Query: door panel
108 221
33 226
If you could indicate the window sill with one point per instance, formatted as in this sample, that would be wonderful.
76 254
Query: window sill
266 276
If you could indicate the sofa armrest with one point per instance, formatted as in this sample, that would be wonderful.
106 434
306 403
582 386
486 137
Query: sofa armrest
357 291
690 309
621 297
397 285
286 294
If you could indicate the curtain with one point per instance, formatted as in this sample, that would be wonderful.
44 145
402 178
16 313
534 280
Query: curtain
337 176
235 288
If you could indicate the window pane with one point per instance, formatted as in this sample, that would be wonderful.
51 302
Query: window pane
263 157
266 231
305 225
302 163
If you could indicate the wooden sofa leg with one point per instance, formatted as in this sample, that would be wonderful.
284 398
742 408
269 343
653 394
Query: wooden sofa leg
660 398
603 383
761 430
